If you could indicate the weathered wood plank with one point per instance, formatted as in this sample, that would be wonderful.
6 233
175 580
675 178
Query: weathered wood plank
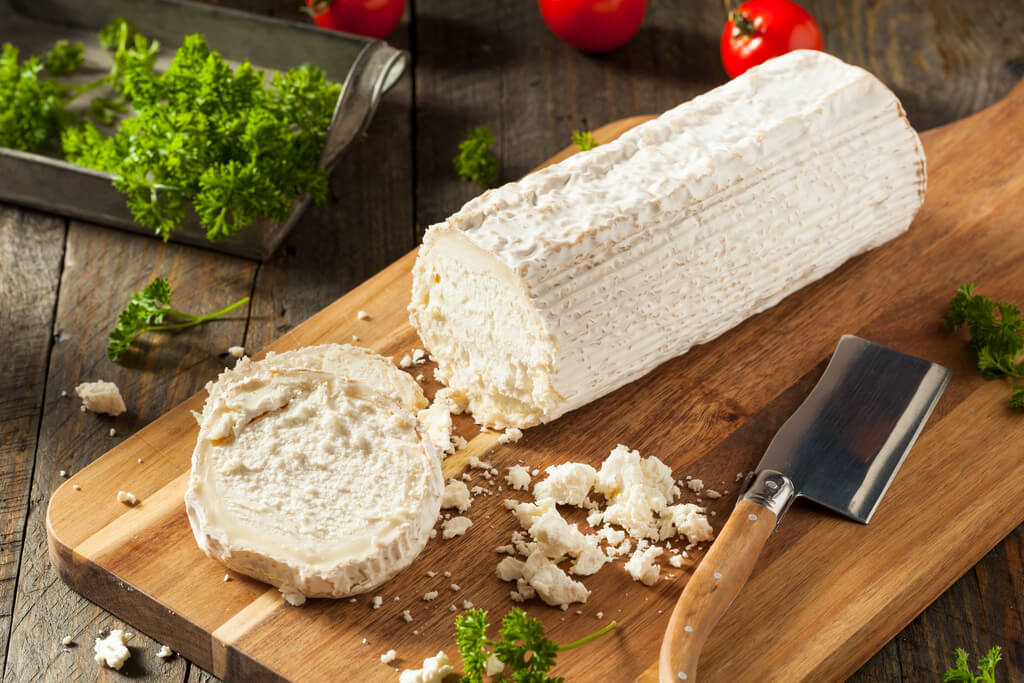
101 268
31 247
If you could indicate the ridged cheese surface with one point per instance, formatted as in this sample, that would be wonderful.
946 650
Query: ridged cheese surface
544 294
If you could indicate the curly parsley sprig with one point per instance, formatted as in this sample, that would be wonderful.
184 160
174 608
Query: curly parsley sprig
996 335
475 161
584 140
960 672
523 649
146 312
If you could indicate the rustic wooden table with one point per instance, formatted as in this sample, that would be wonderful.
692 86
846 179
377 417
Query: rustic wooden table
62 282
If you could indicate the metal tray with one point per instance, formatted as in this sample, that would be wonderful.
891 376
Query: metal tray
366 67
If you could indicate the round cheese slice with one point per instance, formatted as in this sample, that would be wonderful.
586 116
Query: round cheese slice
320 485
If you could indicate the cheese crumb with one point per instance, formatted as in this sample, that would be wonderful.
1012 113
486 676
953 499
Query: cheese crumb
494 665
510 435
111 651
421 377
363 315
419 356
63 473
112 432
236 351
466 604
456 495
713 494
429 595
676 561
66 641
477 463
599 615
377 602
518 477
431 574
456 587
406 616
127 497
568 484
388 657
292 596
641 565
227 577
434 671
406 362
165 652
456 526
101 397
695 485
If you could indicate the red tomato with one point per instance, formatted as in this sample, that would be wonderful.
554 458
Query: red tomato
758 30
373 18
594 25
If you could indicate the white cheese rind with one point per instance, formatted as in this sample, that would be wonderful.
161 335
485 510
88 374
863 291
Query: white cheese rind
542 295
317 484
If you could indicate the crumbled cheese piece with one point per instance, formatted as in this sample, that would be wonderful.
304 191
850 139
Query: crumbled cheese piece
165 652
568 484
63 393
419 356
127 497
437 419
456 526
479 464
510 435
406 361
612 535
431 574
388 657
63 473
456 587
494 666
466 604
453 608
590 559
363 315
236 351
518 477
355 337
101 397
227 577
406 616
429 595
293 597
447 575
111 651
76 487
555 536
508 549
599 615
466 477
377 602
539 574
112 432
711 493
66 641
641 565
459 442
421 377
480 491
434 670
456 400
695 485
676 561
456 495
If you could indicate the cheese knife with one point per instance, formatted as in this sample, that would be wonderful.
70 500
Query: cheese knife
841 449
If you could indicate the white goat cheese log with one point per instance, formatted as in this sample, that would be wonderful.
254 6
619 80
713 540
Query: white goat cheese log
312 473
542 295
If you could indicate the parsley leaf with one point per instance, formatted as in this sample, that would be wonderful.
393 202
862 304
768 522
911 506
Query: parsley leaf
31 110
146 311
996 335
64 57
960 672
208 137
523 648
584 140
475 161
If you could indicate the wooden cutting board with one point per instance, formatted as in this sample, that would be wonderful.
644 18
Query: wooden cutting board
824 597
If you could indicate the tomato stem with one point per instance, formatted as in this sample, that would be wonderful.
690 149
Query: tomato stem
743 23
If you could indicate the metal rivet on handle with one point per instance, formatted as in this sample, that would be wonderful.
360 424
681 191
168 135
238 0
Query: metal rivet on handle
752 517
771 484
688 628
682 675
718 575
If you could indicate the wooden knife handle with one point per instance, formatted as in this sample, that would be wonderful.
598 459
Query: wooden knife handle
712 588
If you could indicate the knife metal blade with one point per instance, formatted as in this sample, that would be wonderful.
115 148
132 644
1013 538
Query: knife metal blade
844 444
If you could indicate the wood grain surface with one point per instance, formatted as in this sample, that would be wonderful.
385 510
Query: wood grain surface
851 586
946 60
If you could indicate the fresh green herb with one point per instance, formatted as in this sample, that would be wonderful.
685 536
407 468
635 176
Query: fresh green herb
584 140
210 137
146 312
524 650
960 672
64 57
996 335
31 110
475 161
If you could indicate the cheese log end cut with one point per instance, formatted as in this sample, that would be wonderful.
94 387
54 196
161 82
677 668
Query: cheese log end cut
544 294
